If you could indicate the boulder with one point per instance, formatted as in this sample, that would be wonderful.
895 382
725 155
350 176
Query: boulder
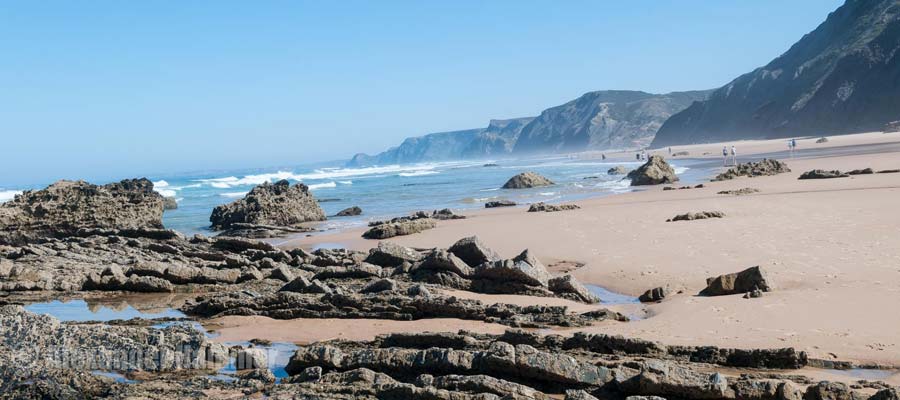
252 358
388 254
525 268
568 286
499 203
527 180
400 228
169 203
66 208
381 285
736 283
697 215
654 295
764 167
349 212
655 171
544 207
822 140
443 260
277 204
617 170
822 174
472 251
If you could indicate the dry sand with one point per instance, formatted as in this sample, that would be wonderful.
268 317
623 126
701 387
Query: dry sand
831 247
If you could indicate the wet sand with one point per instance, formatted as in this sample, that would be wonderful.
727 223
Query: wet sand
831 247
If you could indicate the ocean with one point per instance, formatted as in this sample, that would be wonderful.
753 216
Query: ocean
395 190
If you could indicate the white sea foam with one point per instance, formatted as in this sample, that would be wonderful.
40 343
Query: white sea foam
547 193
160 184
322 185
7 195
419 173
232 195
680 170
320 174
489 190
165 192
345 182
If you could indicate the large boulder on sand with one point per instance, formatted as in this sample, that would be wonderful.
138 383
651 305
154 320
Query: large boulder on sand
65 207
276 204
739 282
527 180
655 171
525 269
568 286
472 251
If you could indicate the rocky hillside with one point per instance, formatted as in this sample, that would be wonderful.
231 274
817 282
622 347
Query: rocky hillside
497 138
605 119
843 77
596 120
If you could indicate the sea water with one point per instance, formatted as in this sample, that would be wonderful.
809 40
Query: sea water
395 190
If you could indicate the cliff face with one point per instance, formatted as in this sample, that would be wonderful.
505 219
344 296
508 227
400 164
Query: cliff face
596 120
843 77
603 120
496 139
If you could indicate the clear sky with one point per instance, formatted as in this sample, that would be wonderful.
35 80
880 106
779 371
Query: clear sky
120 88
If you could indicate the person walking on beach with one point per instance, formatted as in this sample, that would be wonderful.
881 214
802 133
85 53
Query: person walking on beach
724 156
733 156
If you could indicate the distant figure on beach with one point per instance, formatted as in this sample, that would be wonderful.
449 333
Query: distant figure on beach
670 151
603 156
637 156
724 156
643 155
733 156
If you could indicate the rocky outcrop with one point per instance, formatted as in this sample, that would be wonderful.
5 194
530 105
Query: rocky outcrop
527 180
349 212
617 170
524 269
740 282
274 204
765 167
169 203
500 203
398 227
607 119
544 207
836 79
655 171
822 174
473 251
67 208
822 140
567 286
739 192
654 295
697 215
864 171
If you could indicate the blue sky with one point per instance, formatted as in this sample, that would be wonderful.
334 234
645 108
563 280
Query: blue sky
110 89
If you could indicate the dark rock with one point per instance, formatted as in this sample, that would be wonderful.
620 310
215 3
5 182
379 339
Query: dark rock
740 282
446 214
822 140
740 192
472 251
169 203
67 208
654 172
499 203
764 167
400 228
387 254
544 207
527 180
277 204
864 171
654 295
889 171
381 285
525 268
822 174
443 260
698 215
349 212
617 170
567 286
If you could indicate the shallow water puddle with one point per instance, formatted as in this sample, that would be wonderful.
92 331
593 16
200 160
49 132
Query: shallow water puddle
277 354
865 373
114 375
79 310
609 297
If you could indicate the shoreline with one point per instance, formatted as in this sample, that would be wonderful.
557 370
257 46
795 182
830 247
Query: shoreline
809 235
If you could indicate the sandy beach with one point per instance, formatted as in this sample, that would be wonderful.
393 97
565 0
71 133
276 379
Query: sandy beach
831 247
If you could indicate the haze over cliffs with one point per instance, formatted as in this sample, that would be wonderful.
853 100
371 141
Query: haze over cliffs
843 77
596 120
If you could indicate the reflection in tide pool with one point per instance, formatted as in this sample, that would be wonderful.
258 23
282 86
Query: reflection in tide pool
277 354
80 311
608 297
